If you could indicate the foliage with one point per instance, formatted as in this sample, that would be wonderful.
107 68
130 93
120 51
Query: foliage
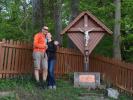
127 30
127 48
105 47
103 10
16 20
13 19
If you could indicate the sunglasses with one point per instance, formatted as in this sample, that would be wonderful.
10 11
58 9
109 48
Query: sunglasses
44 29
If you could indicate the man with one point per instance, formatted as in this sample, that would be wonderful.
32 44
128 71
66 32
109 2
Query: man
39 56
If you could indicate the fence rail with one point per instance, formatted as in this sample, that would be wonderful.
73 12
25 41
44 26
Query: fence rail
16 59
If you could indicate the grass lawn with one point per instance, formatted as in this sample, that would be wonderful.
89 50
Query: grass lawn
25 89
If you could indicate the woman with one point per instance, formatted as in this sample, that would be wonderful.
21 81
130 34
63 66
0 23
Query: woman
51 53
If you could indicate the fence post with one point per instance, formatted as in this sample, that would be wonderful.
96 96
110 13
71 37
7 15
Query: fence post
1 57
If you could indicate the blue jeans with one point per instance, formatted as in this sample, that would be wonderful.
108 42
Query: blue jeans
51 77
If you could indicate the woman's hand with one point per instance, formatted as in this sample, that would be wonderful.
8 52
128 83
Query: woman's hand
56 43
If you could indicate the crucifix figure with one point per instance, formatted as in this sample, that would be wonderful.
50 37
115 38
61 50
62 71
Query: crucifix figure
86 50
86 35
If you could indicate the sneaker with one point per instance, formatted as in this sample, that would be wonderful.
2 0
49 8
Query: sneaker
49 87
38 84
43 84
54 87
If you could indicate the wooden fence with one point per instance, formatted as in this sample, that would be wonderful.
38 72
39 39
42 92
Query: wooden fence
16 59
117 72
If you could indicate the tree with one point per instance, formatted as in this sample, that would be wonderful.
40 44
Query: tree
74 9
37 14
117 34
74 13
57 19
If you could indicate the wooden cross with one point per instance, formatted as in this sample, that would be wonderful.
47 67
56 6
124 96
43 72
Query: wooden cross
86 23
86 30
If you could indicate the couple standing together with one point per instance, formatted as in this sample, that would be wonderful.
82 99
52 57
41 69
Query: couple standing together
44 55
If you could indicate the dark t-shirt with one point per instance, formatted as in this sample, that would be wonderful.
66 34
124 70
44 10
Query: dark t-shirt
51 51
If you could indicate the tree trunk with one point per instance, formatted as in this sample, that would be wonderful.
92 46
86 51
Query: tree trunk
117 34
74 13
74 9
37 14
25 22
57 19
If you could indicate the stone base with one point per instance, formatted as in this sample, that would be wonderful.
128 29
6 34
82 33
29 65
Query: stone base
86 79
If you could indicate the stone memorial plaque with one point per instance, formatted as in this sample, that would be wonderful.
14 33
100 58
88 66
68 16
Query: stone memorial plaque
86 79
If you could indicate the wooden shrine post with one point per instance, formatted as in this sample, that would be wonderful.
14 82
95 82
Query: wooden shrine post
86 31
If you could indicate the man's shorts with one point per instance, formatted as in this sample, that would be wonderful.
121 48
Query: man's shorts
40 60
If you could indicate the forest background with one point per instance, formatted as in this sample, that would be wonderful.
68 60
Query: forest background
21 19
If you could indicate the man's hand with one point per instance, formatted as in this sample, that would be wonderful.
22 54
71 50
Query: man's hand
46 46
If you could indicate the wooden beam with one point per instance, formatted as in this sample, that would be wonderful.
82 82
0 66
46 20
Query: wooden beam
86 22
72 30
